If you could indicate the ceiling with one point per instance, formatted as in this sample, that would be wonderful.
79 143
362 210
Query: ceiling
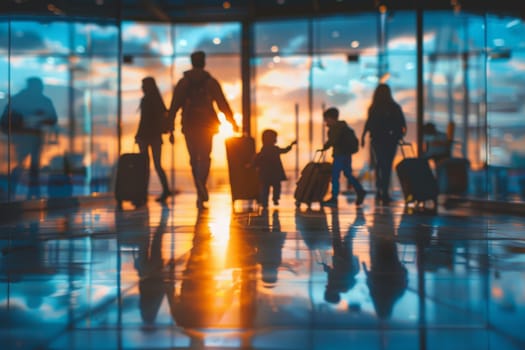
223 10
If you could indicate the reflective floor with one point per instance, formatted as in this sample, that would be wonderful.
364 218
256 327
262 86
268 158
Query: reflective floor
175 278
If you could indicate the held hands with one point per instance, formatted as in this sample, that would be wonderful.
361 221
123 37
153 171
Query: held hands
293 143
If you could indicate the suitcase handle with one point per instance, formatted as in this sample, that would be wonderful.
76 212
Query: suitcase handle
321 157
403 143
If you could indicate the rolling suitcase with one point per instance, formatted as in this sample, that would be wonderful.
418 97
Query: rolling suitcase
417 180
313 182
132 179
244 182
452 175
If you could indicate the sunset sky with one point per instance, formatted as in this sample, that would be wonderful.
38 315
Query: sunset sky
84 56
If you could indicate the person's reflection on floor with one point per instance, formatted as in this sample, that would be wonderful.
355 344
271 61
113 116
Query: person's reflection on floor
345 265
387 277
132 227
241 257
269 241
150 268
202 299
434 248
24 260
313 227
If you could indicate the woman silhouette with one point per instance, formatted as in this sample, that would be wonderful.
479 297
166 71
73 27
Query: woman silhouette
386 124
149 133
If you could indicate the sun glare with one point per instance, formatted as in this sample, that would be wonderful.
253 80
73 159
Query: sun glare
220 227
226 129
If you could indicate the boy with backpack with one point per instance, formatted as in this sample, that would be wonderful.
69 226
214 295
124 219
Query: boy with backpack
344 143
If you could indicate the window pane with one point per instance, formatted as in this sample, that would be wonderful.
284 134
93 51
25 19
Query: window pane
210 37
39 147
281 37
4 85
39 37
146 39
95 38
93 125
346 34
280 86
505 33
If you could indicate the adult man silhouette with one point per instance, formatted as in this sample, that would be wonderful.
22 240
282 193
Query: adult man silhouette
196 93
30 111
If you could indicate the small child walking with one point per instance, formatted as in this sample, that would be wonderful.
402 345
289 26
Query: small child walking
338 140
270 168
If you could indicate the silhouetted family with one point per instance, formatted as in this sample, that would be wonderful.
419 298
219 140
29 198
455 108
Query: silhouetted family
197 94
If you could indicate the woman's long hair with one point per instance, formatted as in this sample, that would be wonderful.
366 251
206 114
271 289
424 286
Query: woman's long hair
382 96
151 91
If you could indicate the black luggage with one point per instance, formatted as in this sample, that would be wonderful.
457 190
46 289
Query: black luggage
313 182
452 175
417 180
132 179
244 182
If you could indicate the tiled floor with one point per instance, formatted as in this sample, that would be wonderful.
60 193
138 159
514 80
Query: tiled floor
174 278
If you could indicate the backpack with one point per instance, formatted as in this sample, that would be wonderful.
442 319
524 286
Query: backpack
349 142
197 94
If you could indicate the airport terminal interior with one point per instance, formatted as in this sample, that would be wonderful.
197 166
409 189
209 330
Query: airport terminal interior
82 270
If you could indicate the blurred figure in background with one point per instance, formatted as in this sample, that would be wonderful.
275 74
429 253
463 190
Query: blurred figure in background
31 110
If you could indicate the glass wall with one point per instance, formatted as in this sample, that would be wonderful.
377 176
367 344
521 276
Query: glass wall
505 73
473 73
61 96
283 81
4 93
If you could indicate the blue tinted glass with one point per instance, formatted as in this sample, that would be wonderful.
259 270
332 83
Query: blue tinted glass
40 37
147 38
346 34
210 37
283 37
95 38
4 30
446 31
505 32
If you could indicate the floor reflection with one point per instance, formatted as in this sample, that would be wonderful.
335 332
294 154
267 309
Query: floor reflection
284 278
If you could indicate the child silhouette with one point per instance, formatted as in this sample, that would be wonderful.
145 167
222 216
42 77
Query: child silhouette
270 168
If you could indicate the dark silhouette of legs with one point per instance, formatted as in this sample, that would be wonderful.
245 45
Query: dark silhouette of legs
199 146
